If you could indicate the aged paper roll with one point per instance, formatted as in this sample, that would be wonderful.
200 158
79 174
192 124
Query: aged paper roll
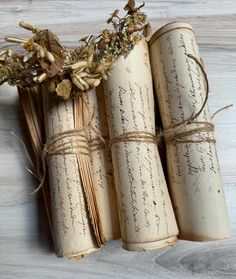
102 169
146 214
73 234
193 169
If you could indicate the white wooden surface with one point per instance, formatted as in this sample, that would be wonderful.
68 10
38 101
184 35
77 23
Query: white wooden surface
25 245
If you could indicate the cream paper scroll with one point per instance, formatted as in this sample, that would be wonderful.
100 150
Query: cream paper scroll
102 169
147 218
193 167
73 234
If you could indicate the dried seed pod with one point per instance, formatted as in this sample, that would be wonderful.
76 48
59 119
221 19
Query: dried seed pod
85 84
104 76
93 82
86 70
90 60
28 56
101 68
80 70
80 79
90 81
97 81
50 57
79 64
82 75
3 58
42 52
51 86
3 55
3 52
26 25
87 87
40 78
77 83
15 40
94 75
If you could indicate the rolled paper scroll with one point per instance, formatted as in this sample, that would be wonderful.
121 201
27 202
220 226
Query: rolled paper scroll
182 89
146 214
72 230
102 170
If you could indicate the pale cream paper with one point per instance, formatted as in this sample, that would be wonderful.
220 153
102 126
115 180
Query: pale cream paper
193 168
147 217
102 169
73 234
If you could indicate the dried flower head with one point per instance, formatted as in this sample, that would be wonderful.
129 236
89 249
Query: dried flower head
63 89
29 45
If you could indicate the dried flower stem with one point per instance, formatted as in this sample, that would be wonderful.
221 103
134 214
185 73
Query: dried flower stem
15 40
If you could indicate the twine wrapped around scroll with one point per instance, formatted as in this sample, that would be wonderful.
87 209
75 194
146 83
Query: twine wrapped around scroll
135 136
98 143
171 134
182 137
55 146
73 145
67 142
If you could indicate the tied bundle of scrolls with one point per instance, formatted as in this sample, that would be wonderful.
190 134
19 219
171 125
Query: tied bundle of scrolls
90 116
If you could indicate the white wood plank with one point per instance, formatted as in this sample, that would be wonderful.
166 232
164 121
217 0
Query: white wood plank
25 244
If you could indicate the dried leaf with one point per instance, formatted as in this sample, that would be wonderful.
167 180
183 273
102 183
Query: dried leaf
115 13
84 39
51 43
42 52
130 6
147 30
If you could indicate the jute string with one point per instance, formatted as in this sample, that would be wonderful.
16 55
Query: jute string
68 142
98 142
174 134
65 143
135 136
180 133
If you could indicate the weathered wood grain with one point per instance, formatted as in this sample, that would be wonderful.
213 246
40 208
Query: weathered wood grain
25 245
